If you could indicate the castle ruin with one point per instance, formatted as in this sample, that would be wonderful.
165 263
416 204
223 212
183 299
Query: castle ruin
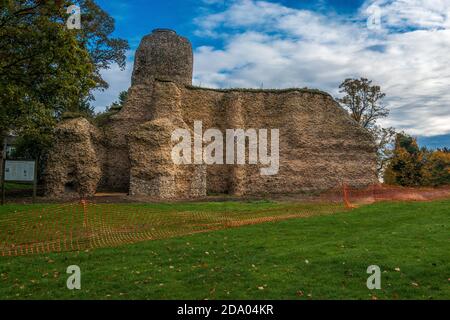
321 147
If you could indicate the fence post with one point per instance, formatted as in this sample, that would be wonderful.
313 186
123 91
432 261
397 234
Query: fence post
85 221
2 173
347 203
3 179
35 180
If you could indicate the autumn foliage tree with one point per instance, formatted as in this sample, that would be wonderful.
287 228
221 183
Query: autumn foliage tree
436 168
405 167
413 166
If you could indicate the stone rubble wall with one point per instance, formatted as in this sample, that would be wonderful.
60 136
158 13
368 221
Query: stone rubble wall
74 165
321 147
163 55
116 168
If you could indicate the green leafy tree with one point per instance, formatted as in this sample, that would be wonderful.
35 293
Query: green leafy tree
103 118
46 69
96 36
118 105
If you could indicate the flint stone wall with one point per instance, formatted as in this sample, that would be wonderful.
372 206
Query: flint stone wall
153 172
163 55
321 147
74 164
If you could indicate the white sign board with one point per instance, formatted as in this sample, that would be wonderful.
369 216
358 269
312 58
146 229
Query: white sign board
20 171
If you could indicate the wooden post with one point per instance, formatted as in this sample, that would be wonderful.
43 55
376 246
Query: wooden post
35 180
2 172
84 204
3 180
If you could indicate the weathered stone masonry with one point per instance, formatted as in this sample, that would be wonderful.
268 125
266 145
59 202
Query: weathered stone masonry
320 145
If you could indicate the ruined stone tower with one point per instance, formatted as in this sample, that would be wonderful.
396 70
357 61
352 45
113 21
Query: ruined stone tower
163 55
320 145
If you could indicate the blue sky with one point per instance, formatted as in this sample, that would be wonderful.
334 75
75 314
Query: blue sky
305 43
136 18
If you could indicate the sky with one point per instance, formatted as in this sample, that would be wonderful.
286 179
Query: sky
401 45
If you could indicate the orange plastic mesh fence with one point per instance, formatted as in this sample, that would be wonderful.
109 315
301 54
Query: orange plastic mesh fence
78 227
380 192
82 226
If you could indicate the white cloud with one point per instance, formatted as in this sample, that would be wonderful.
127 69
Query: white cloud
118 80
276 46
271 45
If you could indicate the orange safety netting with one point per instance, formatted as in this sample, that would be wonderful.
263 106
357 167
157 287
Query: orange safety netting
376 193
83 226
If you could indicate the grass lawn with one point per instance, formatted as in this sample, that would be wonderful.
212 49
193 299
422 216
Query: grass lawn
323 257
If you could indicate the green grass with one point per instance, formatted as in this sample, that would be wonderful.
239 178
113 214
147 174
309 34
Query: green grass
260 90
322 257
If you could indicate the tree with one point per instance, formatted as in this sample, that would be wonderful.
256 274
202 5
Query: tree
436 169
118 105
46 69
364 103
103 118
413 166
95 36
385 140
43 68
405 167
